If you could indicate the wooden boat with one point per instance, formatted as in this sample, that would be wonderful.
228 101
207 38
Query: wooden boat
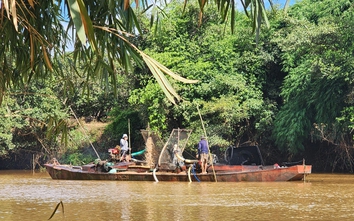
234 174
244 164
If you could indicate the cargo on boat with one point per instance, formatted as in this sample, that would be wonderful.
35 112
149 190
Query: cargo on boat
165 162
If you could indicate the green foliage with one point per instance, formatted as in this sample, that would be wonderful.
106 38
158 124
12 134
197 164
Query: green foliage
27 118
7 124
153 105
318 58
76 158
317 10
119 124
296 83
231 75
347 120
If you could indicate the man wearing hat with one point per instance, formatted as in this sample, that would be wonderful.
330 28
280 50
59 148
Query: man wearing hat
203 152
124 147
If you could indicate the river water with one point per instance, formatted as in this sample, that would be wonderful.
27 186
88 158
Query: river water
25 195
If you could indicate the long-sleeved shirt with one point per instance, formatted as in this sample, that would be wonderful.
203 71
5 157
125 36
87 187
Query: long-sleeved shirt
203 146
124 144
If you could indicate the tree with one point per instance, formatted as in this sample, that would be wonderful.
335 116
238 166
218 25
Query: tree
230 71
28 120
317 92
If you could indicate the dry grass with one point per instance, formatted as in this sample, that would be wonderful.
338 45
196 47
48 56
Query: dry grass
93 125
92 128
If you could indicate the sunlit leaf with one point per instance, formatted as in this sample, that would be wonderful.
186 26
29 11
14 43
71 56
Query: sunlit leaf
159 81
76 17
86 21
46 58
31 3
156 69
126 4
6 6
13 13
171 73
32 50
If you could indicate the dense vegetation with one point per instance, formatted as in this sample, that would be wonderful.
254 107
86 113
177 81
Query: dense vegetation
291 93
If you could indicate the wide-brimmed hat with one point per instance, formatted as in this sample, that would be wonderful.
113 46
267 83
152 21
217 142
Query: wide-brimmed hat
202 137
124 135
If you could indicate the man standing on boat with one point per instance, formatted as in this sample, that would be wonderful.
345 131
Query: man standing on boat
124 147
203 153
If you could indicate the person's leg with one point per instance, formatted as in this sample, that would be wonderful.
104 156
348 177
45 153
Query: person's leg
205 166
202 165
206 162
123 155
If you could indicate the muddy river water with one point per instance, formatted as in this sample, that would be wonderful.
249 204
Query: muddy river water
25 195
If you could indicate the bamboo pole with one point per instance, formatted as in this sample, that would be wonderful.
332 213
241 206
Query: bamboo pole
130 147
205 134
84 132
304 165
33 166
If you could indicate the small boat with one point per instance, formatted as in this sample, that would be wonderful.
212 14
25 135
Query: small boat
243 164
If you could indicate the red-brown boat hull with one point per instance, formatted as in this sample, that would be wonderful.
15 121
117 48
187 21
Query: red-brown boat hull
223 173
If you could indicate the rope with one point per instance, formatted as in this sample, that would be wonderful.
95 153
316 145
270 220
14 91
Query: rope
154 175
194 174
189 174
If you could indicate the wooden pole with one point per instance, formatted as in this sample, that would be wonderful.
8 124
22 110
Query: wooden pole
130 147
84 132
304 165
212 163
33 166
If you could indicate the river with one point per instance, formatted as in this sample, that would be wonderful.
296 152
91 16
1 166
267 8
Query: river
25 195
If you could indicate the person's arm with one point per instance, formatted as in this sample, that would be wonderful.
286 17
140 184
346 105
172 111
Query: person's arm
121 144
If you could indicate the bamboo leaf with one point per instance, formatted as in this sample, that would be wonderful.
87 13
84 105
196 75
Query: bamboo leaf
224 13
46 58
146 9
164 89
7 9
31 3
14 14
32 50
126 4
88 27
255 15
184 5
245 8
247 3
76 17
155 67
164 80
233 15
56 208
264 14
286 6
151 21
169 72
136 22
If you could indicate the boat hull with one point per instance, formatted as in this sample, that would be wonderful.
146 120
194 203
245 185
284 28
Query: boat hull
223 173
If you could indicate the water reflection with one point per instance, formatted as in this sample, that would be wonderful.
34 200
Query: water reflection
27 196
